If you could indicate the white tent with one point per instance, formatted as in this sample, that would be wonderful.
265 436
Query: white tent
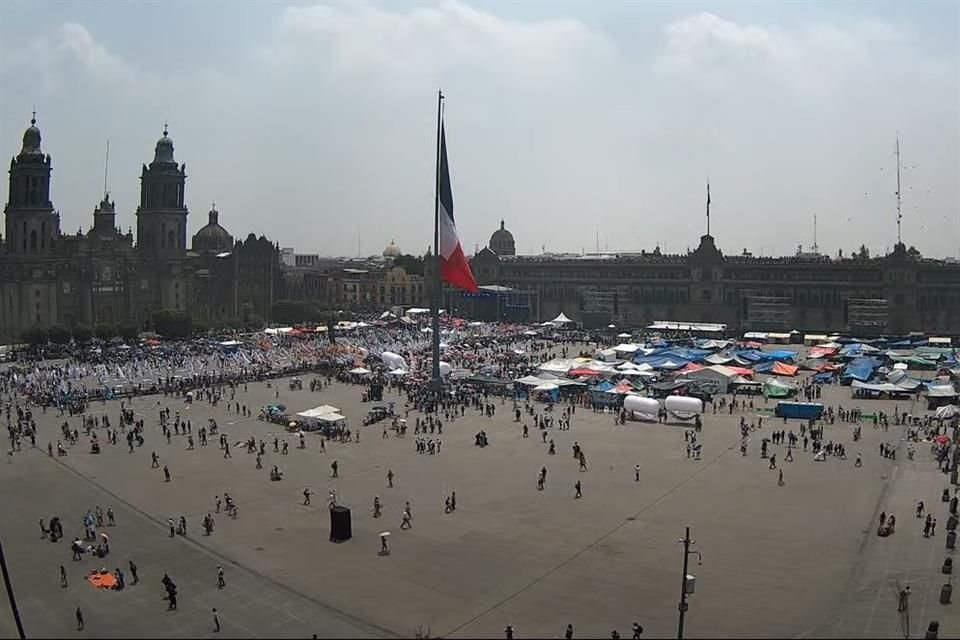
561 319
558 366
360 371
606 355
324 409
623 335
546 386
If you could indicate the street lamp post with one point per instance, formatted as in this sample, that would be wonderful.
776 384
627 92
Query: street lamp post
686 586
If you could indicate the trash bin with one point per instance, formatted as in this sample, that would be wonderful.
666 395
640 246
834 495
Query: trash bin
341 527
945 496
951 539
953 477
947 566
946 591
933 631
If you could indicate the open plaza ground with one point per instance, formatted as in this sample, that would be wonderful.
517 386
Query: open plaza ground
797 560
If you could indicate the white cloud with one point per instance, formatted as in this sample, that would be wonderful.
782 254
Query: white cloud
322 128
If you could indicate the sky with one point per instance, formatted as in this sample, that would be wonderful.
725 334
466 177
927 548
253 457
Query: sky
577 123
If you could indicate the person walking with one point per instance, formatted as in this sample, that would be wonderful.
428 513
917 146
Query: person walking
79 616
335 466
216 621
166 473
306 497
63 576
221 583
389 477
579 489
133 572
636 473
568 634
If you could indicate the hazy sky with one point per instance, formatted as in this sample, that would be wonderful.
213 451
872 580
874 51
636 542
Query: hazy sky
315 123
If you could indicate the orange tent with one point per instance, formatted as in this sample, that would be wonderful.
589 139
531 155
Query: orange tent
782 369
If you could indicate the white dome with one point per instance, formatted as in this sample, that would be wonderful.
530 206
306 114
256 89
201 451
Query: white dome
392 251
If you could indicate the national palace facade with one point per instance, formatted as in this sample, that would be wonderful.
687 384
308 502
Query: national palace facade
893 294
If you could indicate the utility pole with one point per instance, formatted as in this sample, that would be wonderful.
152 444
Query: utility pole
689 582
10 597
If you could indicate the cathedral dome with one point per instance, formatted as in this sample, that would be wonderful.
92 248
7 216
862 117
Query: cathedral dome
31 139
213 237
392 251
164 149
501 242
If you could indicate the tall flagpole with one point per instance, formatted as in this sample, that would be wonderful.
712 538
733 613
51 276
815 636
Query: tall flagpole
708 207
437 285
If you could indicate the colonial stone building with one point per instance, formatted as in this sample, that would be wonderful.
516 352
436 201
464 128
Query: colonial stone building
892 294
104 276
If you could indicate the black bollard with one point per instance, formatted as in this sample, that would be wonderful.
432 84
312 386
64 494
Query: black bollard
946 591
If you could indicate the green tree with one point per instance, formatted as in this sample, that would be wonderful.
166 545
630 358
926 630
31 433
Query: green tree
129 330
58 334
294 311
200 328
82 333
863 253
171 323
254 322
411 264
35 336
105 331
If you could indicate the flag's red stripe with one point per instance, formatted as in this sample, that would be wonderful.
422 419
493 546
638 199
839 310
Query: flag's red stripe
456 271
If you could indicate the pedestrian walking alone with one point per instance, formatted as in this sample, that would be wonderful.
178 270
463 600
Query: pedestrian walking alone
63 576
216 621
221 583
79 615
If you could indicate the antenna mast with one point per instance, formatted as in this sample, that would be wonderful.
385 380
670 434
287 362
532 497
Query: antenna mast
106 167
816 249
899 212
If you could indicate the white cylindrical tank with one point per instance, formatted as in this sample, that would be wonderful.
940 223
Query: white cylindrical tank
641 407
393 361
683 405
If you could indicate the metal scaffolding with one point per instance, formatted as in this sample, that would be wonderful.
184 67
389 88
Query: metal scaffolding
768 313
867 316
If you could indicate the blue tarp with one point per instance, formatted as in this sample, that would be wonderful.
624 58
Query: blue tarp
666 363
755 355
826 376
861 369
764 367
674 353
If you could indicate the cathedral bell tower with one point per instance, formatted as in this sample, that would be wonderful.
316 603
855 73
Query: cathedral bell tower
162 215
32 226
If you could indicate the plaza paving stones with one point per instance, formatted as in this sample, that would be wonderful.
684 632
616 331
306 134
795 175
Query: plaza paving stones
801 560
